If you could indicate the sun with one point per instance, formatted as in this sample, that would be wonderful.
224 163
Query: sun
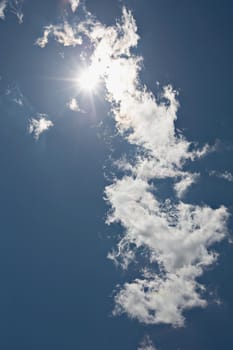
89 79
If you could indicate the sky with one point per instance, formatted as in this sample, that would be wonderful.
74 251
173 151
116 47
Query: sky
116 175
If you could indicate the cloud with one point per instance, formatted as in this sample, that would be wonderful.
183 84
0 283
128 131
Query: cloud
18 101
15 95
176 237
186 181
16 8
38 125
73 105
226 175
146 344
63 34
3 5
74 4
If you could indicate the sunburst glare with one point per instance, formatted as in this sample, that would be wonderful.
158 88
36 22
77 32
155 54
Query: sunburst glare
89 79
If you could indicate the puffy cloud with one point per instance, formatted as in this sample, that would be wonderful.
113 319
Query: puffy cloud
3 5
146 344
226 175
176 236
64 34
38 125
73 105
74 4
142 118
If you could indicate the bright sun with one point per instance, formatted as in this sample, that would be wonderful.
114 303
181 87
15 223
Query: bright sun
89 79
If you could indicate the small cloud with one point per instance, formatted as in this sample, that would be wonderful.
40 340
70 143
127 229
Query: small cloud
38 125
73 105
3 5
74 4
15 95
146 344
64 34
186 181
18 101
16 9
226 175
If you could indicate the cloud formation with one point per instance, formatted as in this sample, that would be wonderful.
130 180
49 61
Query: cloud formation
38 125
15 7
226 175
74 4
64 34
146 344
175 237
3 5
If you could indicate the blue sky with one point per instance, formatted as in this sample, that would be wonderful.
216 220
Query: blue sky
116 174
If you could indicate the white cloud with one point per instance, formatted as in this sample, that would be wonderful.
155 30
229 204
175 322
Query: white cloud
64 34
73 105
3 5
177 236
186 181
146 344
16 8
38 125
226 175
74 4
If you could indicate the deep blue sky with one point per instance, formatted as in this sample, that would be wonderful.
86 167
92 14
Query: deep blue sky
56 283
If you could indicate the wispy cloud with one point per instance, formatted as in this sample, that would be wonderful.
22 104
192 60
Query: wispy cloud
3 5
74 4
18 101
226 175
186 181
176 236
146 344
15 7
15 95
38 125
64 34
